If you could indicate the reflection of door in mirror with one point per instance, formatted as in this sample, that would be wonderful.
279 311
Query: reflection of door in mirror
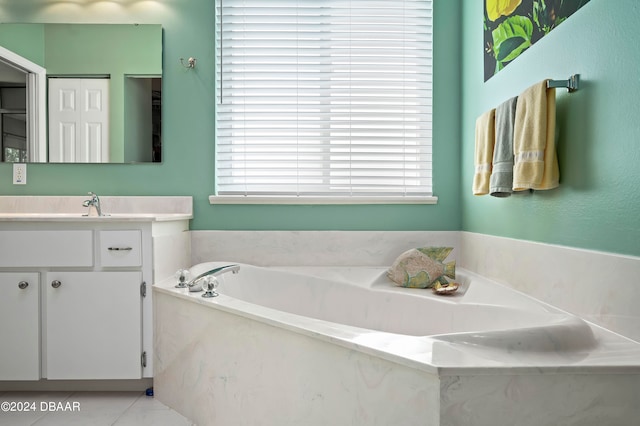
22 103
156 118
79 120
142 129
13 117
14 137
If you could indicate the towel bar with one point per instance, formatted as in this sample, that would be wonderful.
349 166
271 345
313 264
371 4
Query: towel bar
571 84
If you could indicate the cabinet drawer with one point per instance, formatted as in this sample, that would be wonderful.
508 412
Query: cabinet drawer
46 248
120 248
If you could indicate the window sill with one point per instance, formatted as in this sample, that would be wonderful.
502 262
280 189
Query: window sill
215 199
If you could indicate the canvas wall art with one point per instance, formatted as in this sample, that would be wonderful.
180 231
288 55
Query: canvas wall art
512 26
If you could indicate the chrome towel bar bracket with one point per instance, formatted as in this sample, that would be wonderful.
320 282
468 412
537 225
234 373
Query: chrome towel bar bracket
572 84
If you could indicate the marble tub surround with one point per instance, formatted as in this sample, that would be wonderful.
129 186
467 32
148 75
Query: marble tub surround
313 248
599 287
316 372
265 375
116 207
540 400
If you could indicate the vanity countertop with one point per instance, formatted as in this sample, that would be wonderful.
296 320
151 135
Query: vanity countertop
115 209
79 217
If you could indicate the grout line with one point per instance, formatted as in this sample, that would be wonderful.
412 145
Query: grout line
126 409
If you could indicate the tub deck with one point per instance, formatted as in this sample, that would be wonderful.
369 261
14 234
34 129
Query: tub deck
483 327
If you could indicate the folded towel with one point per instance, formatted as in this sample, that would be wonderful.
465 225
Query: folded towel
485 140
501 182
535 159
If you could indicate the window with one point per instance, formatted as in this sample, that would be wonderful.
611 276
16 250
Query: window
324 98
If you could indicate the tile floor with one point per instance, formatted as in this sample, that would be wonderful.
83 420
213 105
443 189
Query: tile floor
86 409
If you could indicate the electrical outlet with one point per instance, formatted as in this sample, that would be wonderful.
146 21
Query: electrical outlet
19 174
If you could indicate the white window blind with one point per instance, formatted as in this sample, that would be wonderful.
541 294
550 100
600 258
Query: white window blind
324 98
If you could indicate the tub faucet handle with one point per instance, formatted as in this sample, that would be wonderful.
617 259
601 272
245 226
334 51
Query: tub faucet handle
182 275
210 284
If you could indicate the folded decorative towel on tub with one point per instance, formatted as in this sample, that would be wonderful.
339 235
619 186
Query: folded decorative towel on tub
501 182
485 140
535 159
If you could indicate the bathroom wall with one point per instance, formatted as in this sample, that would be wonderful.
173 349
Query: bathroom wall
27 41
188 127
594 208
597 204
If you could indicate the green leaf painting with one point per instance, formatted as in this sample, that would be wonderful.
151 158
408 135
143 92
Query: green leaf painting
511 38
512 26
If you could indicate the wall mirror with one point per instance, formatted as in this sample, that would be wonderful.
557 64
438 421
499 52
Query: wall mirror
81 93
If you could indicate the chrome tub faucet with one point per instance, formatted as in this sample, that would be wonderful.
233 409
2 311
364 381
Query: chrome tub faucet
194 283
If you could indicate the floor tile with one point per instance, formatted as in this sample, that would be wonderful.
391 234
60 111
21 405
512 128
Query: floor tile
31 405
87 408
93 408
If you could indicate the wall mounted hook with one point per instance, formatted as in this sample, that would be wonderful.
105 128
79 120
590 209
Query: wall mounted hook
191 62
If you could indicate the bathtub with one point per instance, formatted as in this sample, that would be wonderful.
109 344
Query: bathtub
343 346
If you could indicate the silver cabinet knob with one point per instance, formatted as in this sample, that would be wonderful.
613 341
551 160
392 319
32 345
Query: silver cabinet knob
55 283
22 285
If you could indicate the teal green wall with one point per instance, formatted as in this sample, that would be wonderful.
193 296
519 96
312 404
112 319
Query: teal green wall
596 206
598 203
25 40
188 127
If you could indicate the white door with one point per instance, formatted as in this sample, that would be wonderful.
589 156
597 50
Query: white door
93 325
19 326
79 120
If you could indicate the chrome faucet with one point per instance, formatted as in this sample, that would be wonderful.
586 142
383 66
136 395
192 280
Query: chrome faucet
95 202
193 284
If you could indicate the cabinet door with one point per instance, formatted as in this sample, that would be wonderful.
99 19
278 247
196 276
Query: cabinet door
93 325
19 326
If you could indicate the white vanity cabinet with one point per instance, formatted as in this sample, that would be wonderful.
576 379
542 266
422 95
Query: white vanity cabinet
19 305
86 313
